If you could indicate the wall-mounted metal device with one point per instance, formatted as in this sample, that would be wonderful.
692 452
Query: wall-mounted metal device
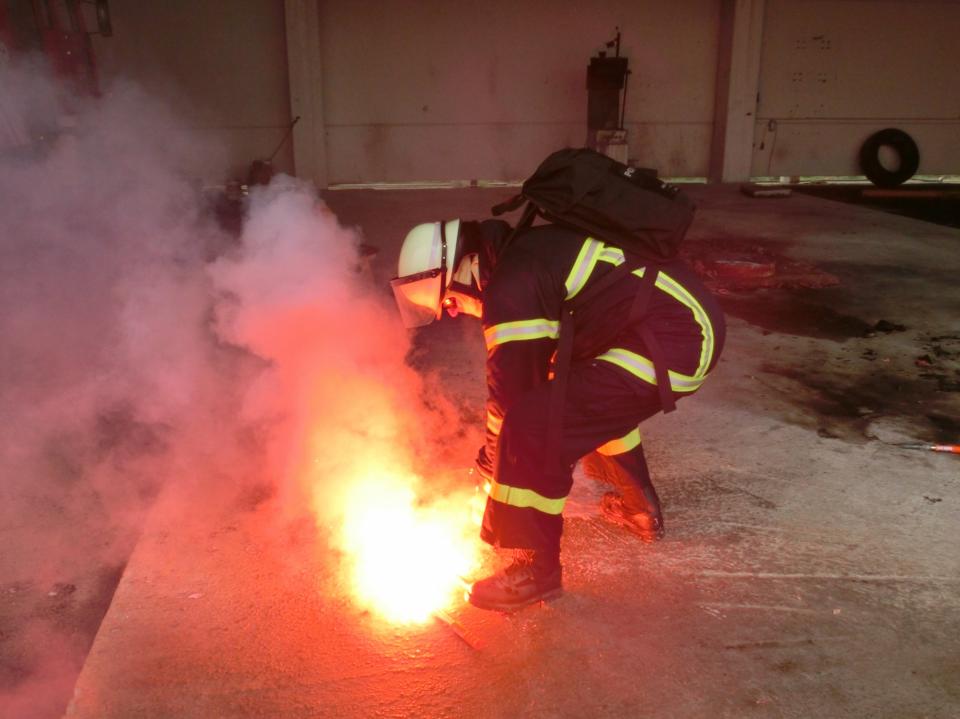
606 101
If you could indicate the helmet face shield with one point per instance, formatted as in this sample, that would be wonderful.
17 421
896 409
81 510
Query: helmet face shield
418 297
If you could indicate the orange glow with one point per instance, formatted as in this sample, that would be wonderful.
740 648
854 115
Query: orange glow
406 557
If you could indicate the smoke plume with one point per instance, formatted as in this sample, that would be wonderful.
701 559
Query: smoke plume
336 392
144 348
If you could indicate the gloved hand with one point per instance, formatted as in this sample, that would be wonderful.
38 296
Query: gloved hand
484 465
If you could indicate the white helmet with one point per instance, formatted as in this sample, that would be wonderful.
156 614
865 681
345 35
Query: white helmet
425 271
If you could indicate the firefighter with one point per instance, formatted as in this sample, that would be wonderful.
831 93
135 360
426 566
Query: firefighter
518 291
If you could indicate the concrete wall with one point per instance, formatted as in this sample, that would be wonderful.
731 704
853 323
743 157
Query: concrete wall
834 71
222 63
437 91
434 90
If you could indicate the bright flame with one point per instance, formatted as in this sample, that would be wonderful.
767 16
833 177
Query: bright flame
407 558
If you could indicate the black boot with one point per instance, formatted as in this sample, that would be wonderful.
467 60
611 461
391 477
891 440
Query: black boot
646 525
529 579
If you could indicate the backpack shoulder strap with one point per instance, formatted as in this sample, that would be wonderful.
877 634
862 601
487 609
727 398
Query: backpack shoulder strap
638 309
507 205
526 220
564 354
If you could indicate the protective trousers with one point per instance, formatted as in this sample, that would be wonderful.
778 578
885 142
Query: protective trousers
601 411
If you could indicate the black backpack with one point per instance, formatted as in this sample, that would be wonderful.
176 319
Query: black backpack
626 206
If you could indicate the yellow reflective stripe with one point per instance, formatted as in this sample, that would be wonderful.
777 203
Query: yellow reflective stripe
622 445
494 423
583 266
641 367
637 365
673 288
520 330
666 283
523 498
684 383
613 255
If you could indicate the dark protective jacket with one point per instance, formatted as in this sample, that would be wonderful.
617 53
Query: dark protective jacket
524 286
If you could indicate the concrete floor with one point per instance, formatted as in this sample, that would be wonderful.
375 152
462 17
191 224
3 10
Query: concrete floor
810 568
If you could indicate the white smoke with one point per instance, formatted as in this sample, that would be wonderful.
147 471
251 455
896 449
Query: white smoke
130 363
340 401
104 300
107 364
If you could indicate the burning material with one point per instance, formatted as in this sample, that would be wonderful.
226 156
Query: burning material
405 557
468 637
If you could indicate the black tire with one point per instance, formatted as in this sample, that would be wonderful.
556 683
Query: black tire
905 148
